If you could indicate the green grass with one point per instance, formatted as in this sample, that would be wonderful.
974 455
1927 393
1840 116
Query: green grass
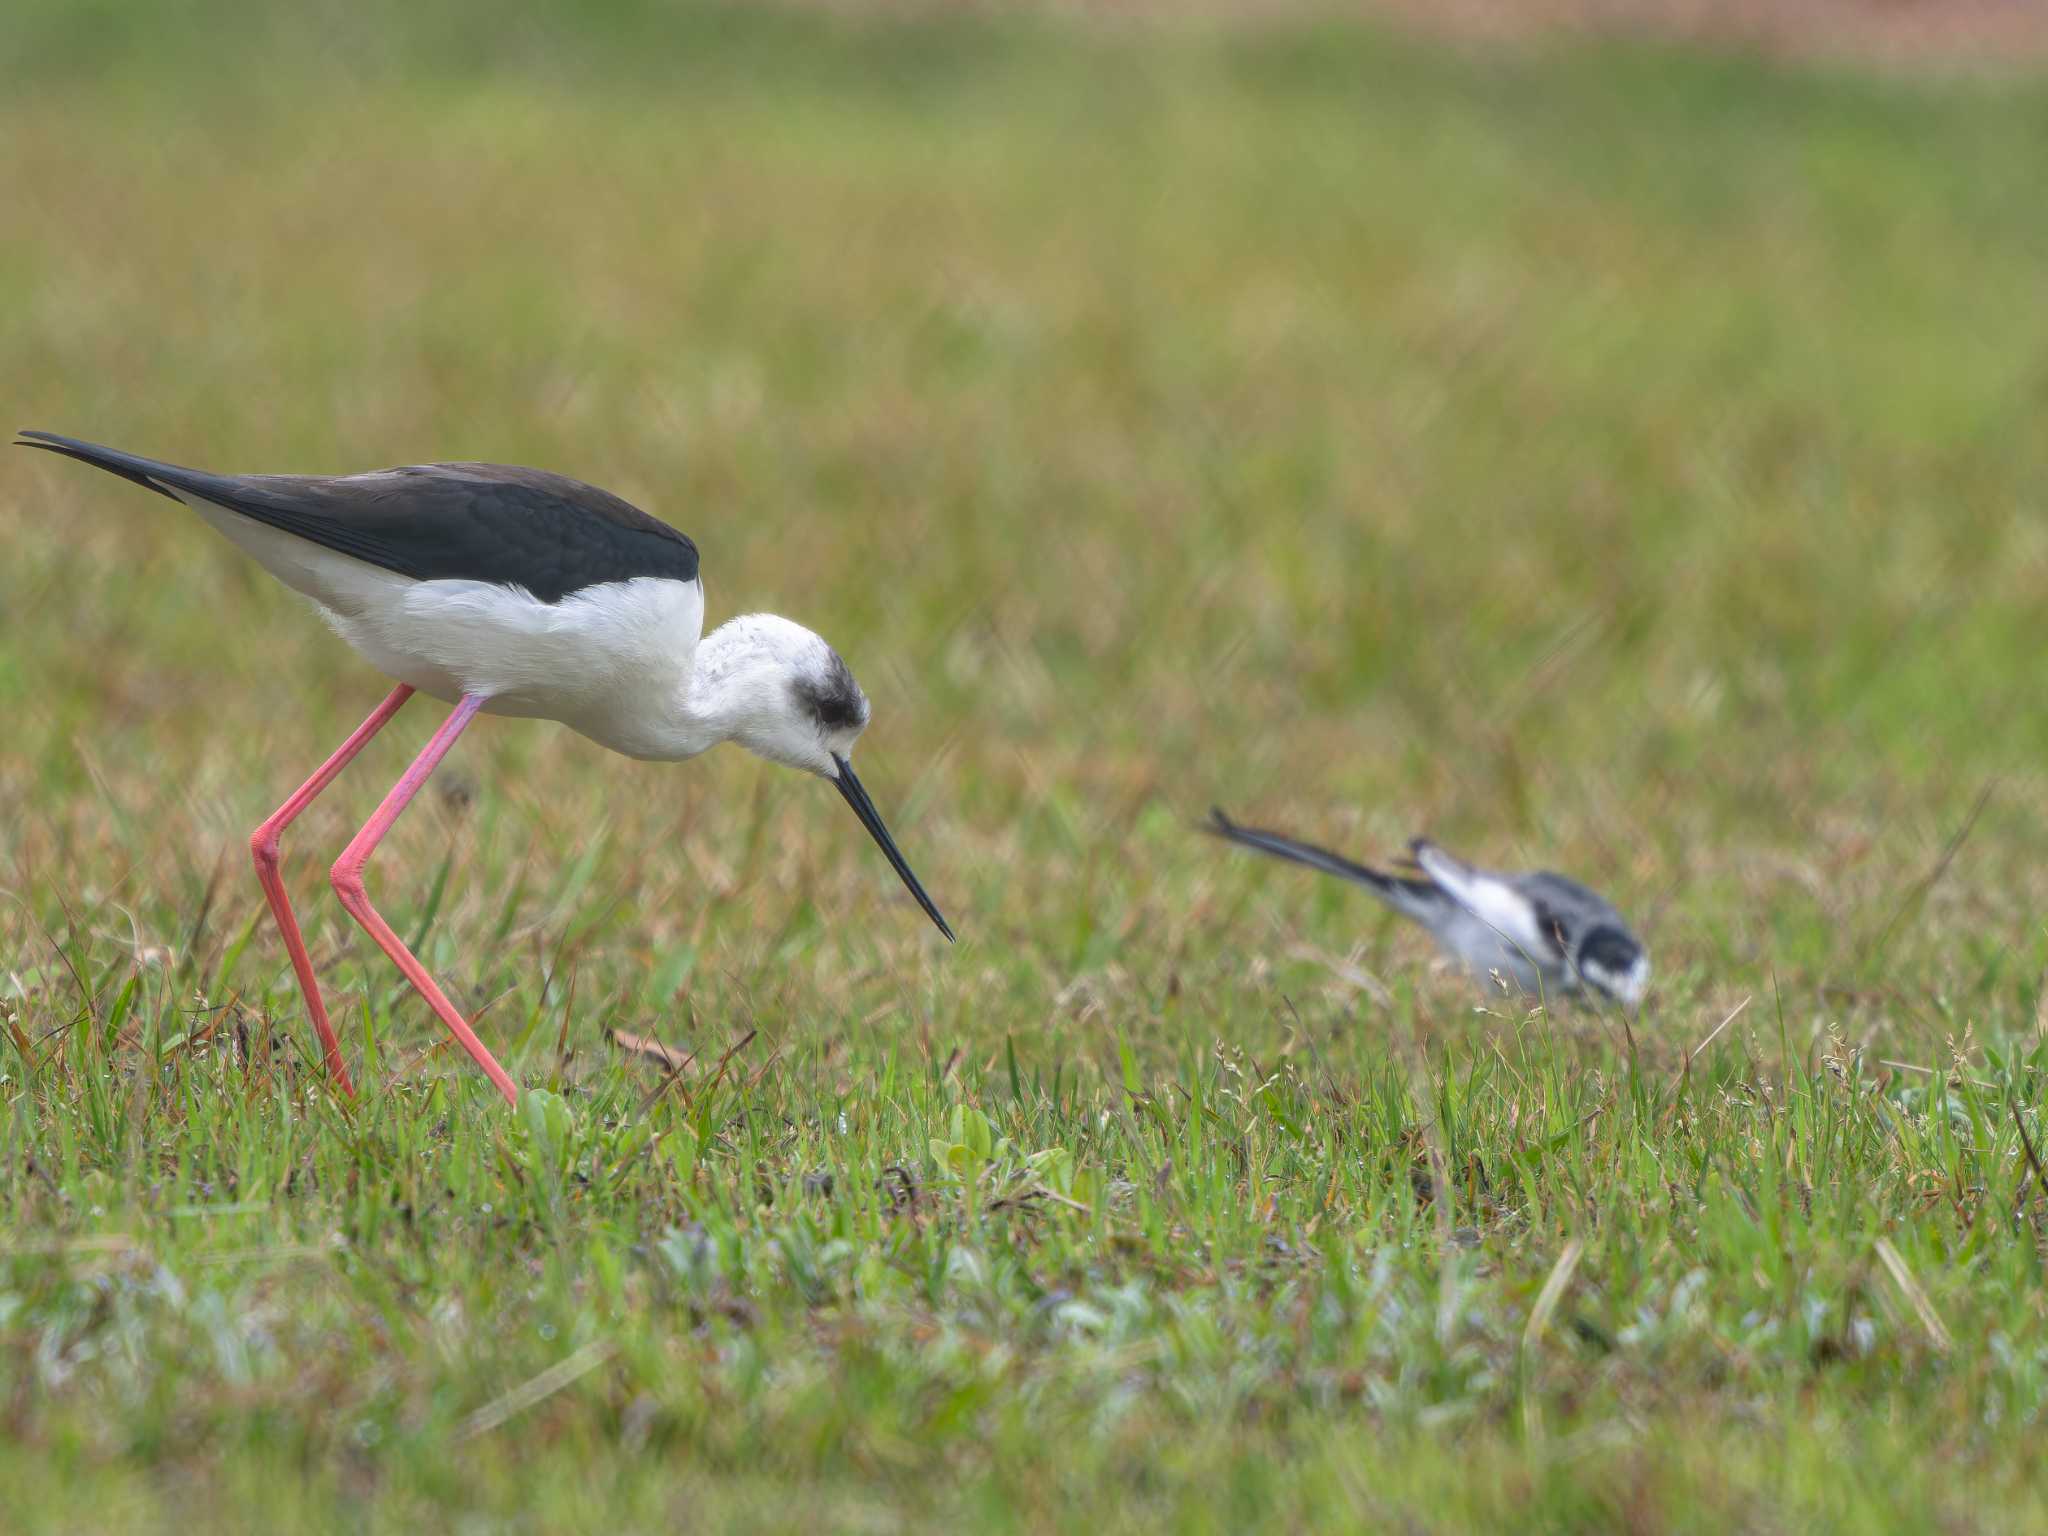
1625 461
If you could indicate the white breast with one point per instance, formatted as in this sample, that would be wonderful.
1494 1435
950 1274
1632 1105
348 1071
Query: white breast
1481 947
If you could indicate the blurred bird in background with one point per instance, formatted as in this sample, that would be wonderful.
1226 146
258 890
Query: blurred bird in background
1541 931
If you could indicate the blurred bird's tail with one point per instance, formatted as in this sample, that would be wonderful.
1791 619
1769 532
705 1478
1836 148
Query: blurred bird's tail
1413 898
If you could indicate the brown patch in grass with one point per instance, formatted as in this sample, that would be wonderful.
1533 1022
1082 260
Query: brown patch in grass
1905 34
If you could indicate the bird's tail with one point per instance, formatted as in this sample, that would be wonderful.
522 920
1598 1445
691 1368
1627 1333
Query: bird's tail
1413 898
150 474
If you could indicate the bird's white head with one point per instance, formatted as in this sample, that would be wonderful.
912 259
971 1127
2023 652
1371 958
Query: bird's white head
782 693
1612 961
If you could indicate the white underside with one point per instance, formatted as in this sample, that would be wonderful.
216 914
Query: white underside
593 661
1484 949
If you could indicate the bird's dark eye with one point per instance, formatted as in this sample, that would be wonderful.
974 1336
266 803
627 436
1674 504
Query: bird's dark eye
834 701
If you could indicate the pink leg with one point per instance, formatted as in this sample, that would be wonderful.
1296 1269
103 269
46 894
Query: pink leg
348 884
263 848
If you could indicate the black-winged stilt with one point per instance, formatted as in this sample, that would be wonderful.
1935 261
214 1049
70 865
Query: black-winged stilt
513 591
1544 932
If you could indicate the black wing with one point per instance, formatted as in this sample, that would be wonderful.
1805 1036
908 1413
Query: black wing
436 522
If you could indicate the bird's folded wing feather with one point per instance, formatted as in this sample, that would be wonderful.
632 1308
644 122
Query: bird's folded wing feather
1492 900
493 523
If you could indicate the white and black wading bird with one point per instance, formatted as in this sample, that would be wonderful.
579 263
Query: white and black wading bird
1541 931
512 591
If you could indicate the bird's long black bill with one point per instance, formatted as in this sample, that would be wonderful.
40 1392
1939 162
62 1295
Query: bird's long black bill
864 808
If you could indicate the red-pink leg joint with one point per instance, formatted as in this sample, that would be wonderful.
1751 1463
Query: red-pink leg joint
348 884
263 844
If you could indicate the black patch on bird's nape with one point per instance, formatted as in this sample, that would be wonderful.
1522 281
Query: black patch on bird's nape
1610 949
834 699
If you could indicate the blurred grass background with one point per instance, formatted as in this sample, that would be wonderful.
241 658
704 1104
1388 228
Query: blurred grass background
1616 459
1613 457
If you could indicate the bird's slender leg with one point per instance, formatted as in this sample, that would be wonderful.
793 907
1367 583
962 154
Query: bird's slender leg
263 848
348 884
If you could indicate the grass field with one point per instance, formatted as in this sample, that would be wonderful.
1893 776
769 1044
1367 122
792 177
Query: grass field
1616 459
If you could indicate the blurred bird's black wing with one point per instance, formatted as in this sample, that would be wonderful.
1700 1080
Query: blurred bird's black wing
493 523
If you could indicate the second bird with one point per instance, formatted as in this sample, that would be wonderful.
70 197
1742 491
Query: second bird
1539 930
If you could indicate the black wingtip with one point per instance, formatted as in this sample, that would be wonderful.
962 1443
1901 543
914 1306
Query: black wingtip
1219 824
114 462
